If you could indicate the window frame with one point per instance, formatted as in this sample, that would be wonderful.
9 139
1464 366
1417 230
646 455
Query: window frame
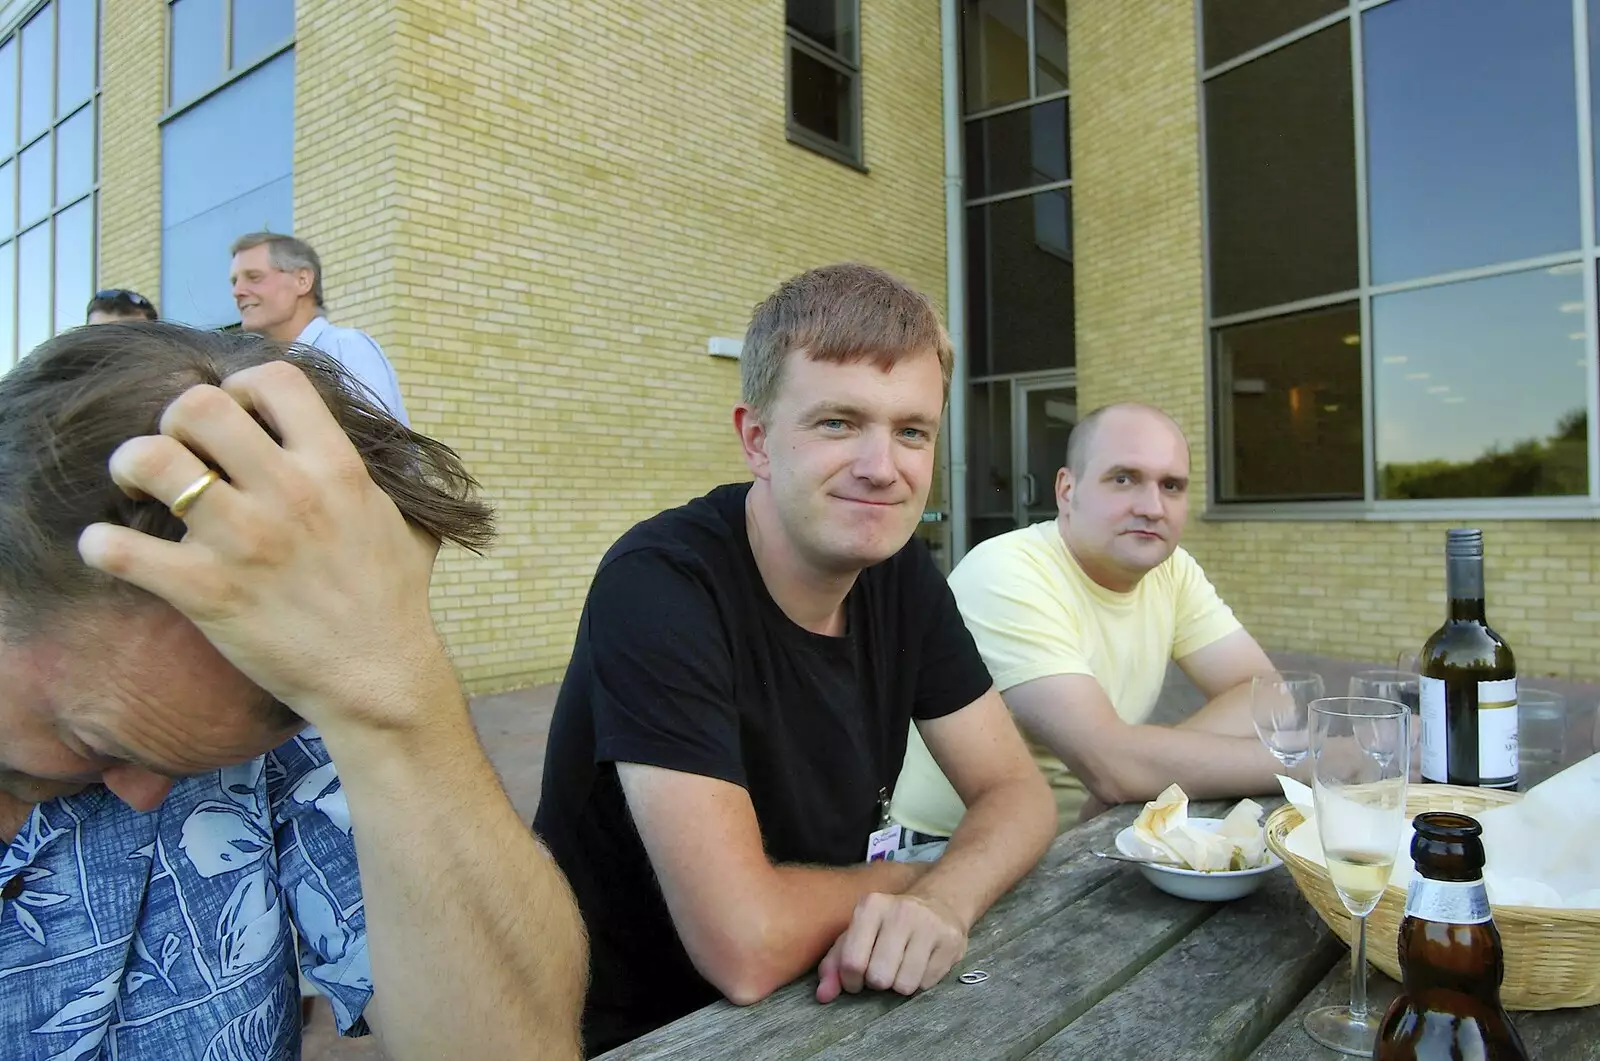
229 74
1371 507
13 18
850 154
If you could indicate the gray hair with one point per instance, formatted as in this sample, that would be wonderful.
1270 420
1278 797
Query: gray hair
286 254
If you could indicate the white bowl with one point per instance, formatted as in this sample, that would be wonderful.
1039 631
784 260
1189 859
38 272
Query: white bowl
1216 887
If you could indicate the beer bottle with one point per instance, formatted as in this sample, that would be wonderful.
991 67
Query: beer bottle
1451 964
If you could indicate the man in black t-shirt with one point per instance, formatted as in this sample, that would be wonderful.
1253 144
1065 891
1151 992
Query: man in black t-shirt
745 672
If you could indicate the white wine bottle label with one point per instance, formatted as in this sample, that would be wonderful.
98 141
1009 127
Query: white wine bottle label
1497 731
1435 761
1446 901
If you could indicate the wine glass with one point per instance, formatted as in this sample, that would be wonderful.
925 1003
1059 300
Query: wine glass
1408 660
1280 708
1359 761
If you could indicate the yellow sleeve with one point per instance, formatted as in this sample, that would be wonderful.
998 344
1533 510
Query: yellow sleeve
1203 618
1020 615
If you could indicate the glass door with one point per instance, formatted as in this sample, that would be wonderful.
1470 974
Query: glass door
1017 429
1048 409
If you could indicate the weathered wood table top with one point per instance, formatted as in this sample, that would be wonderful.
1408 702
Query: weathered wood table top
1086 959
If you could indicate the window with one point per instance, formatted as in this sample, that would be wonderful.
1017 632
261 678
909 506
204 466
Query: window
210 40
824 77
227 148
1019 266
49 83
1401 293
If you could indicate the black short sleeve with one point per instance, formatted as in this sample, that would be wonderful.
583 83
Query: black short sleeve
662 668
953 673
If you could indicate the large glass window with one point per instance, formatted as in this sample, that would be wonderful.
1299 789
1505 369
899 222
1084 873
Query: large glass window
49 79
1281 174
1472 134
1401 293
227 157
1480 387
1019 341
824 76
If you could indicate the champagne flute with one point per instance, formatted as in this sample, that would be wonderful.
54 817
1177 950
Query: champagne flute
1280 707
1359 761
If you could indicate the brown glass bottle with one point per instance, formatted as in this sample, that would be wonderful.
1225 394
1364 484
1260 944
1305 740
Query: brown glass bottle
1450 957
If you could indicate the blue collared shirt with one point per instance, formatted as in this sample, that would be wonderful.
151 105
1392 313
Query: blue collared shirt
361 355
127 935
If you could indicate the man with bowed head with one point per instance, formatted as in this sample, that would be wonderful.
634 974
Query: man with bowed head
211 541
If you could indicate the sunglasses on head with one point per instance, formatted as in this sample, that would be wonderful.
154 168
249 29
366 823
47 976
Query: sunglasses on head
120 294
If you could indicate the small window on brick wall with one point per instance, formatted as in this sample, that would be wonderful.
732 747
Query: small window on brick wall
823 50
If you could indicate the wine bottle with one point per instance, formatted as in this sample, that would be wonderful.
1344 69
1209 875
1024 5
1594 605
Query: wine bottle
1469 682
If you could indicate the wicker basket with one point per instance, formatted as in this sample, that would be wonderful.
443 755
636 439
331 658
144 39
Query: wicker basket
1552 956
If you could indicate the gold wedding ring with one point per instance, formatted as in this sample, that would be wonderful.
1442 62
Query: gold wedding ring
191 493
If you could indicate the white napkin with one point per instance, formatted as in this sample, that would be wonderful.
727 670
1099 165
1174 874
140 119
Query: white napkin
1236 843
1541 849
1537 850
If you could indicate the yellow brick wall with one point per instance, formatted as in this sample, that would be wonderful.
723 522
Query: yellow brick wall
1361 590
133 50
544 209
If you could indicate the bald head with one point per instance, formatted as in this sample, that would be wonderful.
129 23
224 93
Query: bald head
1080 444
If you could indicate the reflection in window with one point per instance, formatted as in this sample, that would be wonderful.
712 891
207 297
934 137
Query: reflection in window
197 59
1481 387
47 188
75 156
820 97
8 96
74 263
8 303
1019 284
1289 407
34 196
1472 152
995 52
75 80
1049 46
991 499
1594 91
38 72
824 77
1281 180
226 169
1018 149
1233 27
33 301
258 27
830 24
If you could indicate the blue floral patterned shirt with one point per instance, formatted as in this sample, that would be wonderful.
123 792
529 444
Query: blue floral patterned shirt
166 935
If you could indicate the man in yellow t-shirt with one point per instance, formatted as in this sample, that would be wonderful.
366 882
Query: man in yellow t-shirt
1077 618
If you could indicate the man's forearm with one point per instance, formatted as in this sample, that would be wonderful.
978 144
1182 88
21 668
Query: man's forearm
1206 765
476 945
1227 715
1001 837
799 917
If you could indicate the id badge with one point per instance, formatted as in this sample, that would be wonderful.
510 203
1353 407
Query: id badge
882 844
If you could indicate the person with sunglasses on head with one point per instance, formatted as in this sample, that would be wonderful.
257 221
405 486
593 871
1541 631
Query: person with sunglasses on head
119 304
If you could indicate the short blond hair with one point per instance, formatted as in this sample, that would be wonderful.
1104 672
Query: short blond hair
839 313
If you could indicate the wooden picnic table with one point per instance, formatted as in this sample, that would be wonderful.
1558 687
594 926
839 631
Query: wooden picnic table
1086 959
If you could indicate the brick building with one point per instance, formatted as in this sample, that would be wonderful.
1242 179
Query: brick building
556 216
